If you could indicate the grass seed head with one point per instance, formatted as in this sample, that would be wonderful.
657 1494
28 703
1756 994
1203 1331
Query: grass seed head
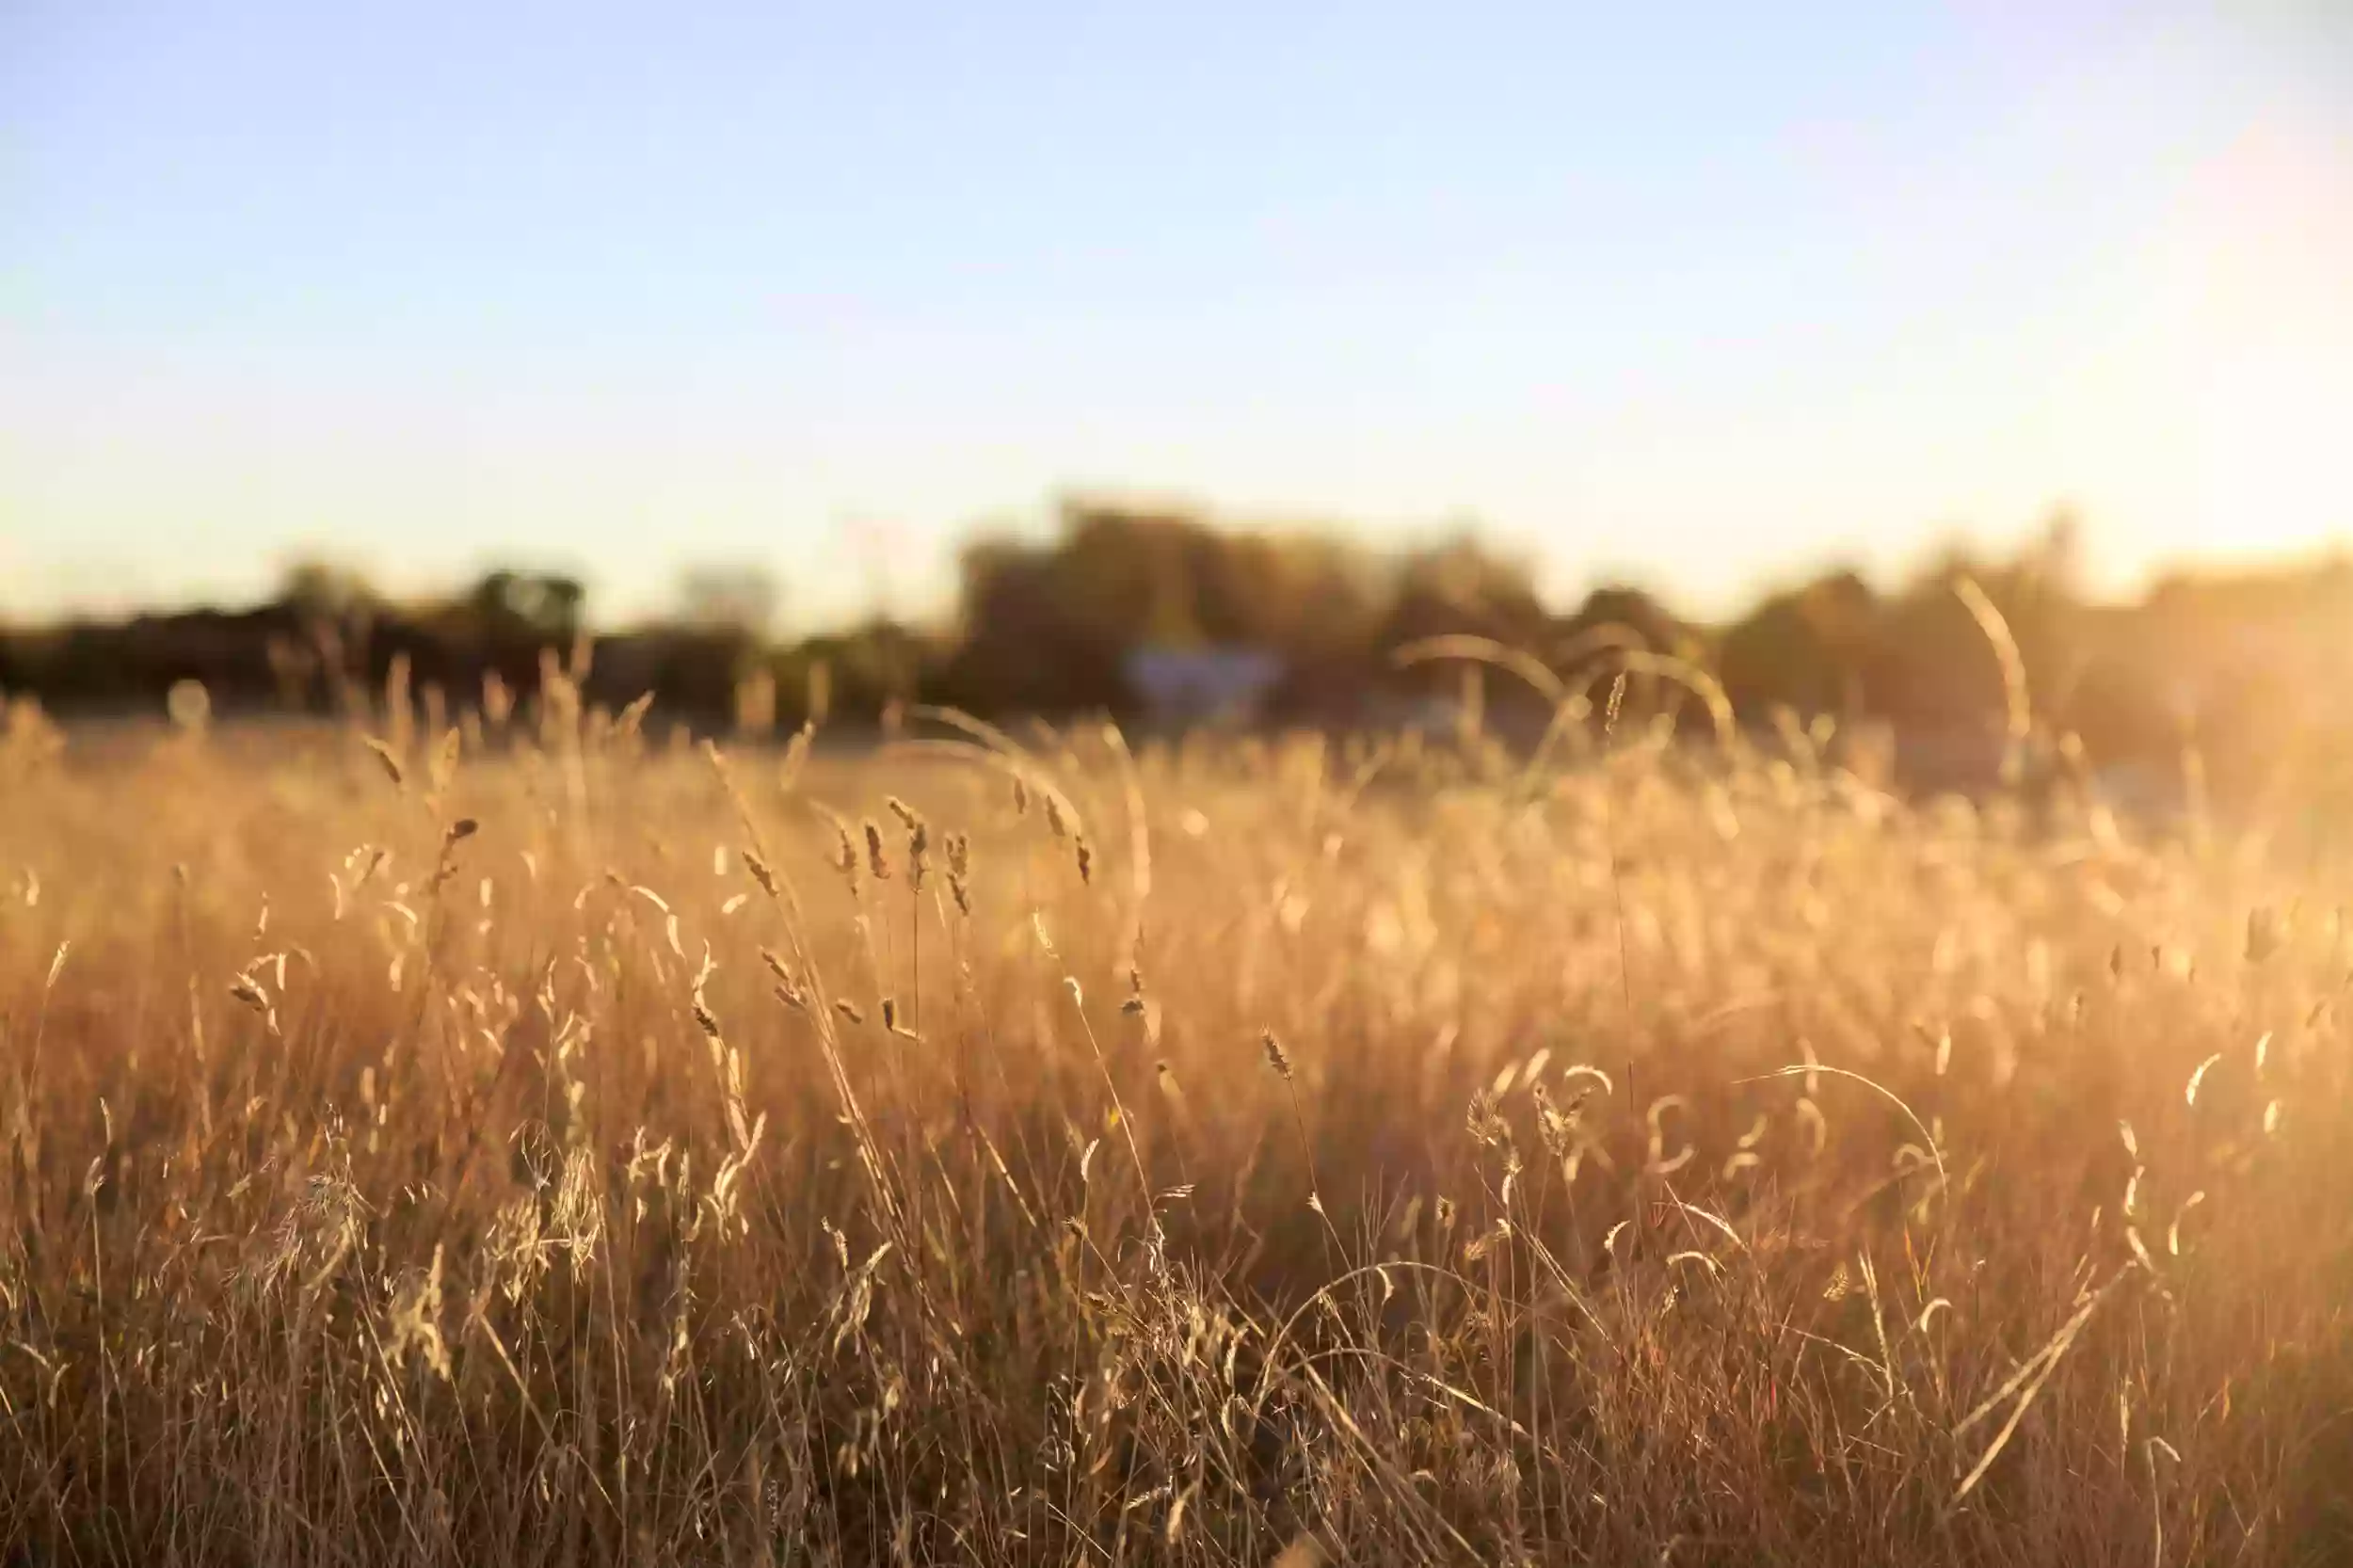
386 757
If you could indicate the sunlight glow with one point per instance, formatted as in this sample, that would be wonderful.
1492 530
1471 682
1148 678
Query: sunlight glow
2271 460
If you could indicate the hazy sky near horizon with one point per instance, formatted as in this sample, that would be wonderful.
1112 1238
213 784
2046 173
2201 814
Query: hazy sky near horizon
1701 295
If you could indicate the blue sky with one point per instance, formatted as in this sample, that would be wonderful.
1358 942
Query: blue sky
1701 295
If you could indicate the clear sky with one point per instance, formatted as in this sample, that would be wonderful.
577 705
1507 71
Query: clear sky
1705 295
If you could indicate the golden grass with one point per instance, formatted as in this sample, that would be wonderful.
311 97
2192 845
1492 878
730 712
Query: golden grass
555 1147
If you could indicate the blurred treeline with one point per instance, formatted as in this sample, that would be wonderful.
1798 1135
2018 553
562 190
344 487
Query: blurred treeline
2232 667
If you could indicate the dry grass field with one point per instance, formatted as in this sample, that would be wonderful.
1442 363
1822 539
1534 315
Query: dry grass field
546 1142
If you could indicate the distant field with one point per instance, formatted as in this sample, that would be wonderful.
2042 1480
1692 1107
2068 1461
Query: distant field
562 1147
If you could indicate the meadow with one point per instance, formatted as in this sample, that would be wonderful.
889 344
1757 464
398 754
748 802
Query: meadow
547 1139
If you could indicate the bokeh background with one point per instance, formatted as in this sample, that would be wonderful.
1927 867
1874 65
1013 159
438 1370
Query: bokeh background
1187 362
